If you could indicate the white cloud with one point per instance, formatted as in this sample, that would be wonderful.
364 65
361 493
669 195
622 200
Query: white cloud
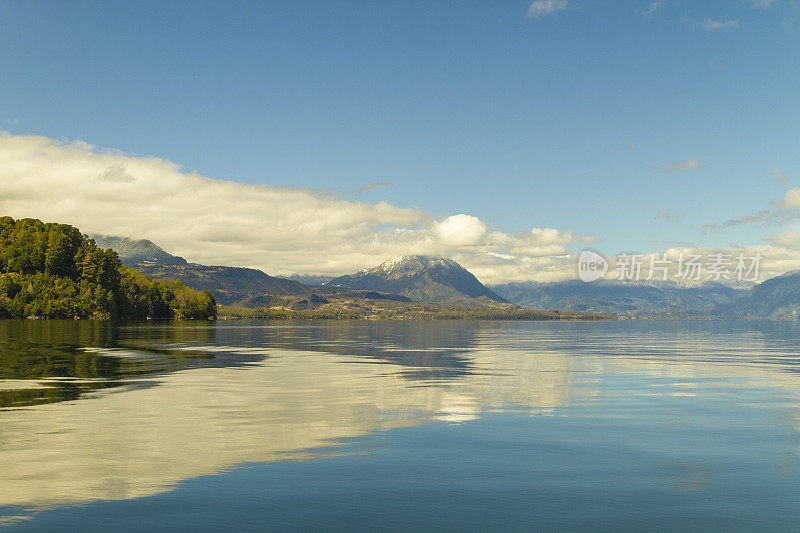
791 199
541 8
281 230
460 230
781 176
369 187
786 239
679 166
782 212
666 214
501 268
714 25
655 6
764 216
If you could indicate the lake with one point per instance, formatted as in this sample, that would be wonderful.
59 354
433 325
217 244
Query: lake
356 425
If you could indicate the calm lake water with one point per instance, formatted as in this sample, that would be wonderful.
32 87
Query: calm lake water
629 425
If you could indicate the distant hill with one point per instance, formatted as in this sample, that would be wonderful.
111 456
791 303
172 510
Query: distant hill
229 285
310 280
422 279
775 297
132 252
619 297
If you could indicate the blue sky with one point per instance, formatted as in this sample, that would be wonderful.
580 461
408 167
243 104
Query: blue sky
576 119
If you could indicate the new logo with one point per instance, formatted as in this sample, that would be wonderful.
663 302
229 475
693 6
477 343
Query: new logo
591 266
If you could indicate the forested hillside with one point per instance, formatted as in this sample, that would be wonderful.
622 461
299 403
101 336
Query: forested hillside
54 271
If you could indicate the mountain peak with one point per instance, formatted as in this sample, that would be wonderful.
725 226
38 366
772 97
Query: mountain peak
408 264
422 278
132 252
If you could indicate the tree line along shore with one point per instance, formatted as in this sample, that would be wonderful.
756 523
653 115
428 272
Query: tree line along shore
54 271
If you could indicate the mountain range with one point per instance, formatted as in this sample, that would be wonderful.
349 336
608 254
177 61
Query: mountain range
438 280
621 297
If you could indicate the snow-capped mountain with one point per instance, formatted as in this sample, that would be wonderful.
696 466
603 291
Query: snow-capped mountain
421 278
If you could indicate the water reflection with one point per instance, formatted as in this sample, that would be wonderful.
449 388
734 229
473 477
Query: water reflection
46 361
133 410
50 361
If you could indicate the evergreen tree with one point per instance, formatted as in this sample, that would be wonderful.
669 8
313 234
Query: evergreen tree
53 271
